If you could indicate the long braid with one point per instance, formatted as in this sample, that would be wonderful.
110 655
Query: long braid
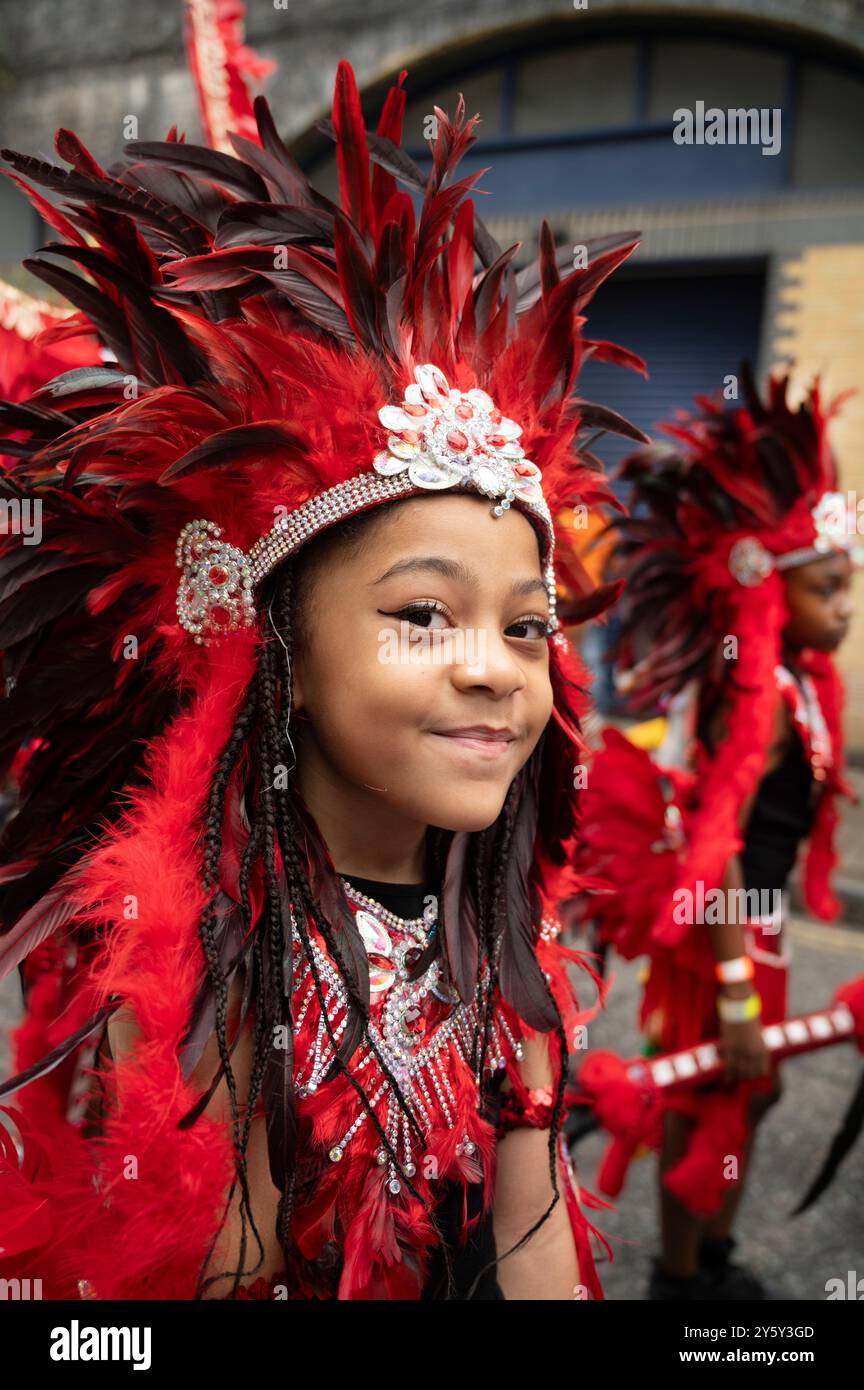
479 850
259 1057
250 853
505 825
207 932
258 817
279 949
508 818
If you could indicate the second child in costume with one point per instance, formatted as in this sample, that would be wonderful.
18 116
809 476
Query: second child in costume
736 557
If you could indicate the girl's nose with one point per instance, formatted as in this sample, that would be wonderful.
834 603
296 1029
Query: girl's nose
846 605
488 661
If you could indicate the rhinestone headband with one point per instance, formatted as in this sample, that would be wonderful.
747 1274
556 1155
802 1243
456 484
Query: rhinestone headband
750 562
438 439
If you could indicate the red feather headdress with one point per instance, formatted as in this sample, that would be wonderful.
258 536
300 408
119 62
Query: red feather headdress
259 333
744 493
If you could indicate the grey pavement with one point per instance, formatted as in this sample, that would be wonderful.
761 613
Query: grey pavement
795 1254
850 848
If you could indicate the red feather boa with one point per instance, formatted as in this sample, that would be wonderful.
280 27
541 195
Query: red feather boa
150 1234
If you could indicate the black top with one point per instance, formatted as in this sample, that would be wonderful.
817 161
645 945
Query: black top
781 818
466 1261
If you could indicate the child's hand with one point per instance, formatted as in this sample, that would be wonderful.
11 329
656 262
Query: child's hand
743 1049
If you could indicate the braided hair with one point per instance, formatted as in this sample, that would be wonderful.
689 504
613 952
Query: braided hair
256 748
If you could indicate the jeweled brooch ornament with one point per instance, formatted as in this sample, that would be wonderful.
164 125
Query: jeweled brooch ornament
749 562
215 591
443 437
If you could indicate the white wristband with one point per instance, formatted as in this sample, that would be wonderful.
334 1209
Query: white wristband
734 972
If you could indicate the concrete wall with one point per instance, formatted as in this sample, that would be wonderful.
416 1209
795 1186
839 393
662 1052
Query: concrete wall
88 63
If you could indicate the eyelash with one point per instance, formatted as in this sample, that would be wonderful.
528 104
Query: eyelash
434 606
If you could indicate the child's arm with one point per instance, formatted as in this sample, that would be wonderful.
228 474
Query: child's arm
547 1267
742 1044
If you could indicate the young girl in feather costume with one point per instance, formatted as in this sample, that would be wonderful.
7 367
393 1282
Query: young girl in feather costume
283 877
738 562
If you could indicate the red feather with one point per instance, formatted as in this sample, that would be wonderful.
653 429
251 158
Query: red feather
352 152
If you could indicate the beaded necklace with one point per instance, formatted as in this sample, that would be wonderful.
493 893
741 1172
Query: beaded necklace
421 927
808 719
415 1025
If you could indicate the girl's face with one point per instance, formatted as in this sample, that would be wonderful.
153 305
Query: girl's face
819 597
434 628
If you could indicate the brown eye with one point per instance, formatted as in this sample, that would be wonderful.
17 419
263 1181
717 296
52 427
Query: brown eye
534 621
414 613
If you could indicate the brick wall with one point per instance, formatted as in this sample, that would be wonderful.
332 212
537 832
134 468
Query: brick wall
817 321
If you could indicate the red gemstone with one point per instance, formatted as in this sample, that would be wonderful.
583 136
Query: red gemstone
496 417
497 441
411 409
218 575
410 436
457 440
464 411
190 595
220 616
523 469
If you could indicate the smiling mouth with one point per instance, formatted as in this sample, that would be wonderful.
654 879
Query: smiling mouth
482 744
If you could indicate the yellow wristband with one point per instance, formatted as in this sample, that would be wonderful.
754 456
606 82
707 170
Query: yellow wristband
739 1010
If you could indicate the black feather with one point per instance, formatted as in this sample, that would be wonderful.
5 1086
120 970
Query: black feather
203 162
528 278
47 598
274 145
271 224
522 981
593 416
106 317
160 331
60 1052
460 918
277 1086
